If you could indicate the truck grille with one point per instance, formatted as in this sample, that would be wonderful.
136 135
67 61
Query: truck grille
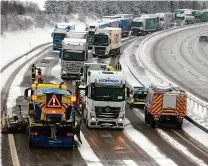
107 112
71 67
100 50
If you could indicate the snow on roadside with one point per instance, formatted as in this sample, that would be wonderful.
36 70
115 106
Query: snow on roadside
180 147
195 133
14 44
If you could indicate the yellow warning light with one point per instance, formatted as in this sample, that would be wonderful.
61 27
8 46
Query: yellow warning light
34 97
35 82
73 98
53 112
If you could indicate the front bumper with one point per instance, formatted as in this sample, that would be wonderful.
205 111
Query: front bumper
104 123
43 141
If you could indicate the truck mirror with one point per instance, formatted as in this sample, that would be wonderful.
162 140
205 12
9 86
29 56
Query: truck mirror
52 34
26 94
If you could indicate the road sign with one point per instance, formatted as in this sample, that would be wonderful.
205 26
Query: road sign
54 102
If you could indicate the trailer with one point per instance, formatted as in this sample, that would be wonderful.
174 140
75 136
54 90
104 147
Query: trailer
166 20
107 42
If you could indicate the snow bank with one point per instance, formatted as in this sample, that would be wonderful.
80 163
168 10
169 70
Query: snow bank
14 44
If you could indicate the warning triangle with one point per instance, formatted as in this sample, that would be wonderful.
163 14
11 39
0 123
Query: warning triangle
54 102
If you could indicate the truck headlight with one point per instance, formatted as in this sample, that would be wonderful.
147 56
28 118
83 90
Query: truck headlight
64 72
93 118
120 119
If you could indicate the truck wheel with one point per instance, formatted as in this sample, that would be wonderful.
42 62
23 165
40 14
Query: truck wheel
153 124
86 123
179 124
146 117
119 50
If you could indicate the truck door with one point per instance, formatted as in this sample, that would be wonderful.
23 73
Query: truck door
169 101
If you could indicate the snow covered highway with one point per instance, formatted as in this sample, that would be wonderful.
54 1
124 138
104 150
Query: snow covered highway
178 56
100 147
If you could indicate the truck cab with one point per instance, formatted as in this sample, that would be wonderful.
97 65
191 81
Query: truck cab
183 17
74 54
143 25
104 97
107 42
92 28
59 34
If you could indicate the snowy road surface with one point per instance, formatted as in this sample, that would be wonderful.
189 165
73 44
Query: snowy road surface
138 144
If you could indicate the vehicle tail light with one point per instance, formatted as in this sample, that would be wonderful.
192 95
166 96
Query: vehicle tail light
34 133
180 117
155 116
69 134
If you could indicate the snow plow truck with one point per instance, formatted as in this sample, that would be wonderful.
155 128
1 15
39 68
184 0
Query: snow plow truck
51 117
165 103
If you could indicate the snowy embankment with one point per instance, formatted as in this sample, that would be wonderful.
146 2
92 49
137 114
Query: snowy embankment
141 75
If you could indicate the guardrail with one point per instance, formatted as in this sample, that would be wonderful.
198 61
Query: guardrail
192 102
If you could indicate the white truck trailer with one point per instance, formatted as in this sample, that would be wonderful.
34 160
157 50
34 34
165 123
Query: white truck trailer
107 42
74 54
166 20
104 98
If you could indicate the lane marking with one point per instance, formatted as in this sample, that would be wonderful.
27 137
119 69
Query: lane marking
13 150
130 162
181 148
143 142
190 143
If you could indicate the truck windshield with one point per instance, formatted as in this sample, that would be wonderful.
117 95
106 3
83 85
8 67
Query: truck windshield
101 40
137 24
179 18
59 35
91 33
73 56
116 94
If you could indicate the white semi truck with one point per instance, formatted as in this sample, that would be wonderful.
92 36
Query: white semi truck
103 104
74 54
92 28
107 42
